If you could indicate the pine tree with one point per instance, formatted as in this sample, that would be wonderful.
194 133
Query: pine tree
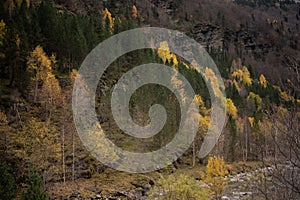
34 188
7 182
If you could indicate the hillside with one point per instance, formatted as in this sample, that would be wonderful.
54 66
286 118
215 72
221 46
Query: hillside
255 46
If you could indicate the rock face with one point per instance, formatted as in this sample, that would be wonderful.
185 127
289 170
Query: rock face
208 35
213 36
169 5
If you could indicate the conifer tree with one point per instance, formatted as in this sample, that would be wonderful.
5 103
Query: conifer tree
7 182
215 175
39 65
34 188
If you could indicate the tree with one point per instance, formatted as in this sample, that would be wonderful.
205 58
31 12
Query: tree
283 176
178 187
7 182
10 6
294 63
4 128
37 146
231 128
231 109
39 65
2 35
212 79
51 93
134 12
204 120
215 175
263 81
243 76
34 188
252 97
108 21
165 54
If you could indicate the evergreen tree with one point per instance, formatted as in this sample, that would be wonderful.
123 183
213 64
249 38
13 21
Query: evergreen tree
34 188
7 183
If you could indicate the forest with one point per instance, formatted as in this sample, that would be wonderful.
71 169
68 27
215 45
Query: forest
254 44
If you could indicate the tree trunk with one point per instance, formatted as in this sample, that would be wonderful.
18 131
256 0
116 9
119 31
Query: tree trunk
35 91
246 140
194 155
63 155
73 160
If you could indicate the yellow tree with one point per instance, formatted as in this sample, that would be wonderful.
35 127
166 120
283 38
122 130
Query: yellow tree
165 54
134 12
178 187
51 93
215 175
212 79
39 65
204 121
107 16
2 31
263 81
243 76
4 128
231 109
37 146
2 35
251 121
256 98
230 133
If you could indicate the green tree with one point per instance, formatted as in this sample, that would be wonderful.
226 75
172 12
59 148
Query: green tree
7 182
34 188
